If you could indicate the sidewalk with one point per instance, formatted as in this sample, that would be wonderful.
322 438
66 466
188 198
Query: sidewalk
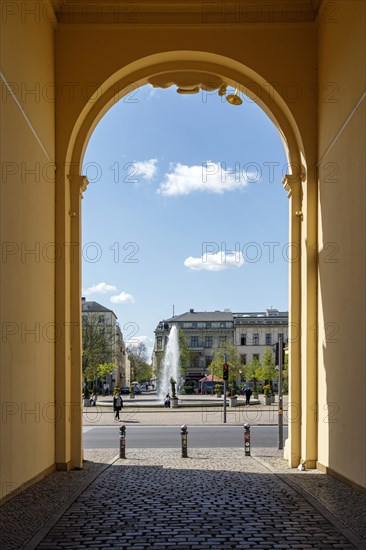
158 416
147 400
216 498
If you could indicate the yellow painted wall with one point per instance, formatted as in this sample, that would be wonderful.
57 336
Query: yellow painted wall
342 178
27 223
284 55
35 212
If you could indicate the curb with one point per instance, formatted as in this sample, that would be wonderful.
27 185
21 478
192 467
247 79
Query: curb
238 425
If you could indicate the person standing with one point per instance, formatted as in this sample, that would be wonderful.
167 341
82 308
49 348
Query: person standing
117 405
248 393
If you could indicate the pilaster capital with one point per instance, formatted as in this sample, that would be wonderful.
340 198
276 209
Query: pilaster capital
78 185
292 184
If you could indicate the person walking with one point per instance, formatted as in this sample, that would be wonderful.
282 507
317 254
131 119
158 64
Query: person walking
117 405
248 393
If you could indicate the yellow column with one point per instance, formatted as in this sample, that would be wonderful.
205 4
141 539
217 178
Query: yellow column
293 186
78 185
62 357
68 429
309 448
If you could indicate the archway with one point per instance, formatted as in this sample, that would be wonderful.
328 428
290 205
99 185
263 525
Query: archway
185 69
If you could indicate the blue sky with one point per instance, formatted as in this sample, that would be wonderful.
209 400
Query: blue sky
177 184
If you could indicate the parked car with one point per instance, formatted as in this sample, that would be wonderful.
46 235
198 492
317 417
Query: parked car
136 390
125 390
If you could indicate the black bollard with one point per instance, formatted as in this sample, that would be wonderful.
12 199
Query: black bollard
247 439
184 441
122 442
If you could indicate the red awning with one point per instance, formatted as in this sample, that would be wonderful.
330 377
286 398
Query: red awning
210 378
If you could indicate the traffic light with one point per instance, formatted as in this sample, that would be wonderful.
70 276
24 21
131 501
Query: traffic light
278 353
225 371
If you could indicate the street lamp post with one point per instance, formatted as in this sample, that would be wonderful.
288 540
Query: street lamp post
225 387
280 398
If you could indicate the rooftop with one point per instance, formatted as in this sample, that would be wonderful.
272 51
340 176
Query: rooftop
94 307
197 316
269 313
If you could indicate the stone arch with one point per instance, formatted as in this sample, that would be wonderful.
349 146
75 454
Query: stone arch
164 69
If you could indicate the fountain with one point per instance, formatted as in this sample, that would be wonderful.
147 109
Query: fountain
170 364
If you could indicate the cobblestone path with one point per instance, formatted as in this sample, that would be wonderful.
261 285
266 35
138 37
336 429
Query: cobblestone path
211 500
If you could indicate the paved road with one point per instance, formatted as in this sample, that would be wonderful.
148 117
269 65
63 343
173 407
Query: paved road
162 437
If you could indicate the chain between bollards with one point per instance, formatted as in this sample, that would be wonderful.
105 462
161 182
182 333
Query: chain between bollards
184 435
247 439
122 442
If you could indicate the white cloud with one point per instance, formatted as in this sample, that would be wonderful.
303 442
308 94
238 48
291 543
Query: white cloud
100 288
215 262
153 92
123 298
211 177
145 339
146 168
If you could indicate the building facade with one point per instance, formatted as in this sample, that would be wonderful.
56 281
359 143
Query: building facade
105 321
254 332
206 331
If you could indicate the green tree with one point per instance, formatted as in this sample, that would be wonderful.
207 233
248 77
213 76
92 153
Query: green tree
141 370
266 371
250 371
105 369
233 361
97 348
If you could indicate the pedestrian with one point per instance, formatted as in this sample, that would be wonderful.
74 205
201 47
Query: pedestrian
248 393
117 405
167 401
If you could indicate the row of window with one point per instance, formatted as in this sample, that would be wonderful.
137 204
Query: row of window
255 340
243 358
221 324
208 342
195 341
100 319
200 362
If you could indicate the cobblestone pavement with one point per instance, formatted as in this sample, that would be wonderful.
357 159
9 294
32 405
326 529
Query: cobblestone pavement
214 499
37 509
27 512
339 499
